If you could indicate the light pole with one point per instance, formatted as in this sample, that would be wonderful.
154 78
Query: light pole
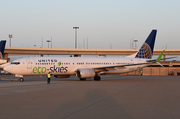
51 41
42 42
87 43
135 40
10 36
34 46
48 42
75 36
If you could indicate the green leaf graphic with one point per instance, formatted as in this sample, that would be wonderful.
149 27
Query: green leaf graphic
59 63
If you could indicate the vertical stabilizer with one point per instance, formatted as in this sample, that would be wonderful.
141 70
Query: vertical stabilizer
146 50
2 46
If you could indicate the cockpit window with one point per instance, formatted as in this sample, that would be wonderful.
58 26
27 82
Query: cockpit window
15 63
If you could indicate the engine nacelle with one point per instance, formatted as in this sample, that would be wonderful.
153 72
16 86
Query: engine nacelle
85 73
62 76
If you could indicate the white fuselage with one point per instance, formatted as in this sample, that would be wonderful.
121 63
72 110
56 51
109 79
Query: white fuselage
69 65
2 61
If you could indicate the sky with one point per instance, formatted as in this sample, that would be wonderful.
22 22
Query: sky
104 23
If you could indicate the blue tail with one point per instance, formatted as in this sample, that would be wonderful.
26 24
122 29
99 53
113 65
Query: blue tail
146 50
2 46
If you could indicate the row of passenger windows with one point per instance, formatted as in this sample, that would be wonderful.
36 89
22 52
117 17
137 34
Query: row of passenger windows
94 63
77 63
102 63
123 63
45 63
84 63
65 63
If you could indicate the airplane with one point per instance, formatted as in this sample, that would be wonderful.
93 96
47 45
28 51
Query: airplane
2 46
64 67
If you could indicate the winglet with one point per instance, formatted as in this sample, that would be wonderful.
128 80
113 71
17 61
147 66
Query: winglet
160 56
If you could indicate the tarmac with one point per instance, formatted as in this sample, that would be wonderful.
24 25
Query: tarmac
114 97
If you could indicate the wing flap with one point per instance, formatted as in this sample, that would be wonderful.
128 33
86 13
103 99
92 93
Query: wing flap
110 68
100 69
120 67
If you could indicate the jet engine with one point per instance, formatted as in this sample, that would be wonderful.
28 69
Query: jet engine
85 73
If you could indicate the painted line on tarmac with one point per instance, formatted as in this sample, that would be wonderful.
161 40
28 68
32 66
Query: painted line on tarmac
4 88
9 79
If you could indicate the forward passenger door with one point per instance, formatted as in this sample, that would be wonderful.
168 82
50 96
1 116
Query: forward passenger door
29 65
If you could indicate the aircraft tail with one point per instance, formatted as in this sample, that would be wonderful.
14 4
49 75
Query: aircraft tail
146 50
2 46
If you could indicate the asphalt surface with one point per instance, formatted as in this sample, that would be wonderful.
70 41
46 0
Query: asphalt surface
114 97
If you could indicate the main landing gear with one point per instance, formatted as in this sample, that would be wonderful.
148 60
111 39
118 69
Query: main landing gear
97 78
21 79
82 79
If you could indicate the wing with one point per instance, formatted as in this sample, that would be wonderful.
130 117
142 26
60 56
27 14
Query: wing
159 58
154 60
115 67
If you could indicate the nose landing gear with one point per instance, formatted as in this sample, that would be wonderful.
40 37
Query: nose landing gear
21 79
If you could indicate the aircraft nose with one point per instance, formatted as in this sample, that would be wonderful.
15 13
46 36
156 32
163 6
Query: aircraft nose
7 68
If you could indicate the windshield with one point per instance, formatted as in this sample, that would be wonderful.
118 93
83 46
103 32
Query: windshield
15 63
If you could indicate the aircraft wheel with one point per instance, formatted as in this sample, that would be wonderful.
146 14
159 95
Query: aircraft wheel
21 79
82 79
97 78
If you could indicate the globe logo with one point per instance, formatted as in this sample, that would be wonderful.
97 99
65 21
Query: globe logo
144 52
1 55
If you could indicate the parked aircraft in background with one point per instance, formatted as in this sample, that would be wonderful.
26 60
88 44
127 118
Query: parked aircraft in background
2 46
85 67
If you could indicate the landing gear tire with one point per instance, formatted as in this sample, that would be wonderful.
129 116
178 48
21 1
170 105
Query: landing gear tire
82 79
21 79
97 78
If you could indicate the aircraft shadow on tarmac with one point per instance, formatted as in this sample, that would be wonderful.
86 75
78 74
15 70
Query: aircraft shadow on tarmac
95 104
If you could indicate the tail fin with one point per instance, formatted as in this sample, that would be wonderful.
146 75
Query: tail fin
146 50
2 46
